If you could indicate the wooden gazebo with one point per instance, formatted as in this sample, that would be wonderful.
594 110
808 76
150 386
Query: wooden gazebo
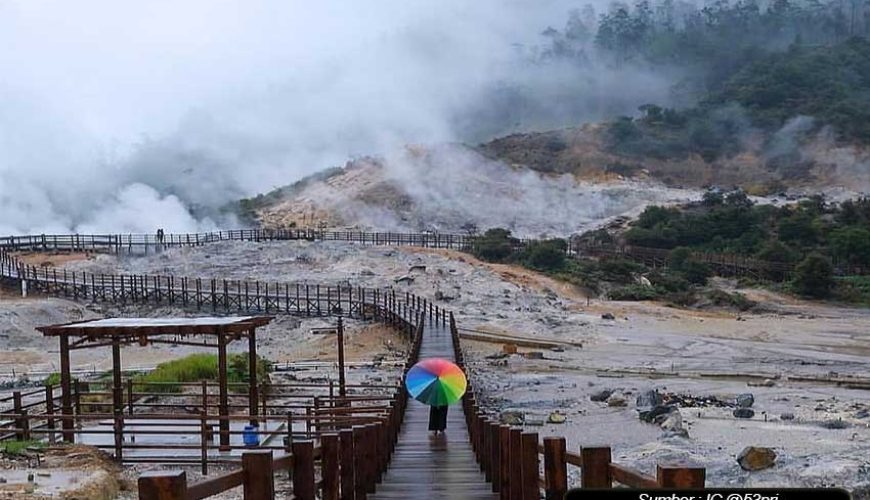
214 332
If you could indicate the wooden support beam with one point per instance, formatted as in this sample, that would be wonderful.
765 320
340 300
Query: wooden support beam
223 399
680 477
253 385
163 485
259 481
329 470
66 409
595 467
555 468
303 470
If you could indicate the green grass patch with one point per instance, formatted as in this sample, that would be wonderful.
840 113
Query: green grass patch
19 447
196 367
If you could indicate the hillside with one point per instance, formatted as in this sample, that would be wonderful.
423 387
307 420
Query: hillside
454 188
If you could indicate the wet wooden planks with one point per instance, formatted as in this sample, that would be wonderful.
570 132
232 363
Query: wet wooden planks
427 466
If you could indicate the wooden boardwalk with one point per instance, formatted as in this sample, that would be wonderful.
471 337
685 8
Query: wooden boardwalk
425 466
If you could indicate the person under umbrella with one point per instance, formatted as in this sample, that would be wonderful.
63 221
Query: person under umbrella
438 383
438 418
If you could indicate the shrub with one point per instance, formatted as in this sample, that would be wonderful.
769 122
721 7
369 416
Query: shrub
495 245
633 292
547 255
668 281
736 300
696 273
53 379
196 367
620 270
814 277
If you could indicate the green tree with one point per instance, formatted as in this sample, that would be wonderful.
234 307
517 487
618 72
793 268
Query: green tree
547 255
851 244
495 245
814 277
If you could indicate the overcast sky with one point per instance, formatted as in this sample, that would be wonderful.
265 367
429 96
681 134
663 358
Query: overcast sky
120 116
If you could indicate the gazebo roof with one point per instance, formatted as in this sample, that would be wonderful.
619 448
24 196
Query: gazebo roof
157 326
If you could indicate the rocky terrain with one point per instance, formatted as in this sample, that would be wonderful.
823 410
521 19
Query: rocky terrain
581 364
451 187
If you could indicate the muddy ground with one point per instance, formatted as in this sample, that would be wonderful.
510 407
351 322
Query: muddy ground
710 353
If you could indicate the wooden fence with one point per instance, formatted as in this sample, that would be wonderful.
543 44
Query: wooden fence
722 263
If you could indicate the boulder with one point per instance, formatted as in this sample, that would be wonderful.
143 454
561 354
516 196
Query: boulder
511 417
743 413
649 414
608 316
787 416
648 399
745 400
673 425
754 458
556 418
616 400
601 396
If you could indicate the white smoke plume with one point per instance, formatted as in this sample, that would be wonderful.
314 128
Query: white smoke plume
127 116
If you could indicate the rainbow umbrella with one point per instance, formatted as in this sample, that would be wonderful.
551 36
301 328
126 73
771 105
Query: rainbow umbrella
436 382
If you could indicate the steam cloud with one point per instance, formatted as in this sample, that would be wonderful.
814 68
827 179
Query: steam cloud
121 116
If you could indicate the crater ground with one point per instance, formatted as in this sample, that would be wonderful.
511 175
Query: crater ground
700 354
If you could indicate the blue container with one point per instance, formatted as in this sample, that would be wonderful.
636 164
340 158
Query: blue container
249 436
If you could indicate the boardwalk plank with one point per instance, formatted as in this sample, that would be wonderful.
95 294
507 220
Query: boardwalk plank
436 467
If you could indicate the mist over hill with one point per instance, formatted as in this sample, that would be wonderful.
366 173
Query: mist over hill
128 118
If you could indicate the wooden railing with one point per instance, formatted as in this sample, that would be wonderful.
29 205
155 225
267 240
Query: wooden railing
510 457
351 460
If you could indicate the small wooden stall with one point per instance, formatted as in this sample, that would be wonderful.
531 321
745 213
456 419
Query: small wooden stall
211 332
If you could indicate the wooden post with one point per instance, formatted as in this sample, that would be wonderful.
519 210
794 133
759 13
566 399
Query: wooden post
495 455
555 468
595 467
341 383
66 409
516 464
117 398
223 402
253 396
20 421
49 410
163 485
681 477
348 487
130 396
259 481
359 464
303 470
329 469
531 490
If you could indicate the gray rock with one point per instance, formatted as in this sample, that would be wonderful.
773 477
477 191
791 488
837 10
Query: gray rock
616 400
648 399
754 458
787 416
601 396
557 418
743 413
512 417
608 316
862 413
673 425
835 424
745 400
649 415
